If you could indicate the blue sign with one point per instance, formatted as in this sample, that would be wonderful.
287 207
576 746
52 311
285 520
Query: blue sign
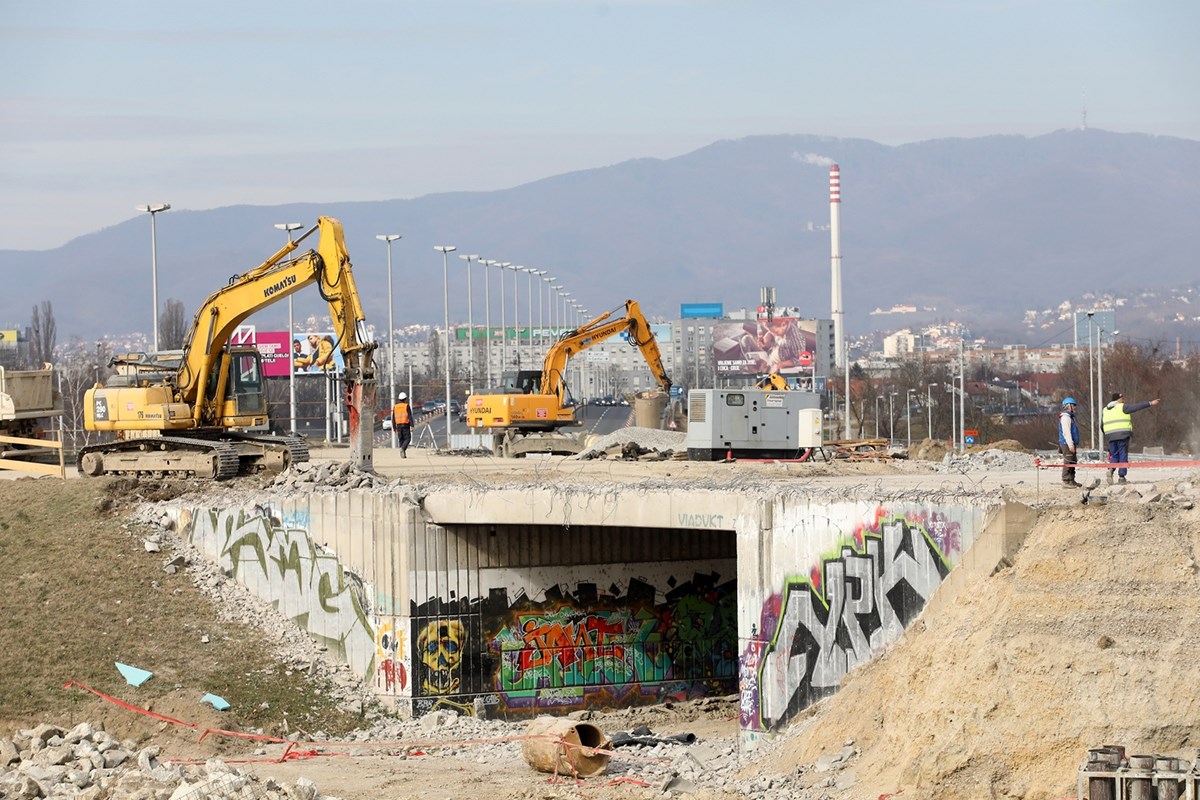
701 310
970 440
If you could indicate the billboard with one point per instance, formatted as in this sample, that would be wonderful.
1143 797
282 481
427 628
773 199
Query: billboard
701 310
315 353
785 345
273 347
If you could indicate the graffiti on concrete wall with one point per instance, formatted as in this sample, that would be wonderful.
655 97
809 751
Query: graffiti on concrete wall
618 648
391 658
849 605
285 567
580 647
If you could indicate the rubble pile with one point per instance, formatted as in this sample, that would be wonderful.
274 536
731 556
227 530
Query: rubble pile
644 440
87 763
995 459
308 476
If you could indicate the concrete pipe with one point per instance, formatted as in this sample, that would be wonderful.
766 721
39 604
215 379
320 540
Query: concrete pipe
566 747
648 408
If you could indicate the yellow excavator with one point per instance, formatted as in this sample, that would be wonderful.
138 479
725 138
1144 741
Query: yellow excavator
773 381
201 411
528 413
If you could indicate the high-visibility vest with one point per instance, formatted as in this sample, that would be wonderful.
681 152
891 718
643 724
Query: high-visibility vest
1114 419
400 414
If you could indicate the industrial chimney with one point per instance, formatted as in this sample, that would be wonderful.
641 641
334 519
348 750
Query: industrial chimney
837 313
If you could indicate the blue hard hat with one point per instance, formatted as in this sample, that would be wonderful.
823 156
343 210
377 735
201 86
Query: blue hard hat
1069 401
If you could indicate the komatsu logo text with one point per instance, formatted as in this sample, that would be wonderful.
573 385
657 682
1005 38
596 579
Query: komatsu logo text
279 287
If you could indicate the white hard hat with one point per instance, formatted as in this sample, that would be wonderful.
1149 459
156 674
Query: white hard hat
402 396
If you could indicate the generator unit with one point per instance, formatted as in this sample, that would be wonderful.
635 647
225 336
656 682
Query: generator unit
752 423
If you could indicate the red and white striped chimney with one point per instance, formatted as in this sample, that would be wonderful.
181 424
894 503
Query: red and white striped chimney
837 313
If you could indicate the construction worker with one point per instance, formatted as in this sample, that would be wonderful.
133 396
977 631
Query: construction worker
402 423
1116 422
1068 443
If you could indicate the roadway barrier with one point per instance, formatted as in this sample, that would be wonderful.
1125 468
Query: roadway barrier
34 447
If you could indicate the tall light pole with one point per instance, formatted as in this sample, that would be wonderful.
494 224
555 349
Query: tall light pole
470 326
549 304
487 314
1091 383
891 418
516 270
444 249
389 238
288 227
908 405
531 272
503 265
878 397
152 209
929 408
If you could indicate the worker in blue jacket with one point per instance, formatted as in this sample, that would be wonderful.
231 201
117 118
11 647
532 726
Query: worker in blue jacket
1068 442
1116 422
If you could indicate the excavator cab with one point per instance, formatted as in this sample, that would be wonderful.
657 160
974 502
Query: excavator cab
243 405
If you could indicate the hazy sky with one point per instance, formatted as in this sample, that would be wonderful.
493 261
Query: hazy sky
107 105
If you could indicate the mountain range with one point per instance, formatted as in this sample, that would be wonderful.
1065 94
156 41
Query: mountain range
979 230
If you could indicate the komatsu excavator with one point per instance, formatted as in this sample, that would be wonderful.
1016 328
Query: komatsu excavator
202 412
527 415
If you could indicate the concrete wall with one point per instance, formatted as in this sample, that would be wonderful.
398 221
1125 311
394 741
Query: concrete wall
523 600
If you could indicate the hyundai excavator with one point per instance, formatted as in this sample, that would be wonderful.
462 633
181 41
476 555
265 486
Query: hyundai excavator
527 415
201 411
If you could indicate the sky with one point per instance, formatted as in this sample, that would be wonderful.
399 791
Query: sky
110 105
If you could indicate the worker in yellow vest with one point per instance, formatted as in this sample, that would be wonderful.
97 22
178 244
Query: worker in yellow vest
1116 421
402 423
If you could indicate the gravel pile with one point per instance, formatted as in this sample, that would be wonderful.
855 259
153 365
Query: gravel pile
86 762
994 460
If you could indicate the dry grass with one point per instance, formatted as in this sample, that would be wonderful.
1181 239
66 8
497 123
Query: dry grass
78 592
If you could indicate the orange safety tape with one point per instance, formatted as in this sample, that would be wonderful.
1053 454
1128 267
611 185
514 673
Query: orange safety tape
1037 462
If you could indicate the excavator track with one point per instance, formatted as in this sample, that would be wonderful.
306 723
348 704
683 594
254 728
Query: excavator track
216 456
161 456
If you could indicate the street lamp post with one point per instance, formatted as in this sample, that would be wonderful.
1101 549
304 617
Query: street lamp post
470 326
503 265
516 271
487 314
530 273
389 238
929 408
288 227
878 397
444 249
891 418
152 209
908 406
550 304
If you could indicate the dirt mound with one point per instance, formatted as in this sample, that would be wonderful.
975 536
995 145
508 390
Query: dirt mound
1012 445
1084 641
928 450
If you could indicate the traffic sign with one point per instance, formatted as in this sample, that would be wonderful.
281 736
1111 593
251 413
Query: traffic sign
805 359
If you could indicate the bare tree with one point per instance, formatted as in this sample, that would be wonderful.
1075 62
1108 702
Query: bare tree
172 325
43 332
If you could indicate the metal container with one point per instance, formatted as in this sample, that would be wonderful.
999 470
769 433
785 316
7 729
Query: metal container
566 746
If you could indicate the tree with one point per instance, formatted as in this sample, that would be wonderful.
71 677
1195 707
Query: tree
172 325
42 335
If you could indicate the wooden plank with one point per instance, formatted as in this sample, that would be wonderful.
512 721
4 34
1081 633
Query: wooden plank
57 471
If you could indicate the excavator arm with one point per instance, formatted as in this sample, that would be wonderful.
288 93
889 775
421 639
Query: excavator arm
596 331
328 266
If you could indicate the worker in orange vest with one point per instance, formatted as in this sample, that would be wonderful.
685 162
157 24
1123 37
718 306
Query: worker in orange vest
402 423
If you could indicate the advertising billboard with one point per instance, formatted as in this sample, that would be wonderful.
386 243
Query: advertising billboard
315 353
785 345
273 347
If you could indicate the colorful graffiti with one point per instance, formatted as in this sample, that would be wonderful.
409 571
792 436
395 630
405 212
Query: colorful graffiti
391 676
284 567
850 605
559 654
577 648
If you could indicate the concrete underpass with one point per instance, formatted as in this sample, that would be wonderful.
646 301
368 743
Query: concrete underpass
548 597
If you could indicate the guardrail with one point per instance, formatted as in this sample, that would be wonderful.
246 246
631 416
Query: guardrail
33 447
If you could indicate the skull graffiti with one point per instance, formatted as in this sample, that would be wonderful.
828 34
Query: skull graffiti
440 645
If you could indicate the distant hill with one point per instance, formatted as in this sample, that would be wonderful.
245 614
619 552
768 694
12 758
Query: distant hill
979 229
